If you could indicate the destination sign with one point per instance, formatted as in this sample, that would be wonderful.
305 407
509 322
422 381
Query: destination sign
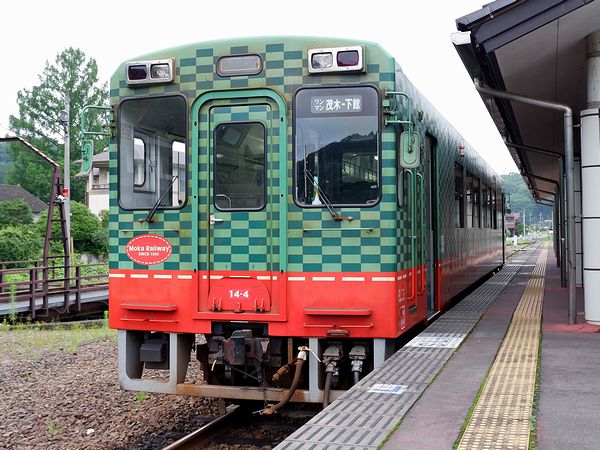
336 104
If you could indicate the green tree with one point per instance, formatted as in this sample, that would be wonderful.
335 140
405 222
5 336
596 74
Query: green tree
86 230
521 200
19 243
15 212
72 74
5 162
85 227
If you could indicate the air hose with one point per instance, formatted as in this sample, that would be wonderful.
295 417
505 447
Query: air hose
327 389
272 409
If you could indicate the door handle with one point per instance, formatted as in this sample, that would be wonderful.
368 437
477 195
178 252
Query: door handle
214 219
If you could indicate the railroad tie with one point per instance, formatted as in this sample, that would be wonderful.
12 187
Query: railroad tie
502 416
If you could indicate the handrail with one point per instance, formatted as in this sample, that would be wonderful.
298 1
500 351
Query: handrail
421 238
42 281
412 217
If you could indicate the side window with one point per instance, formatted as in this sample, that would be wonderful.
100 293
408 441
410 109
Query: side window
139 162
470 200
152 152
476 203
485 207
491 206
459 197
499 209
494 210
240 166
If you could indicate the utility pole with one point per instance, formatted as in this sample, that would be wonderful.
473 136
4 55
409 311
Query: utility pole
65 117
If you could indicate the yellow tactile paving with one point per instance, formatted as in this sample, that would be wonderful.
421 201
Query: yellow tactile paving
501 418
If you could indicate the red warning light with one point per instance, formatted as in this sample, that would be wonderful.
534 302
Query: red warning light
65 192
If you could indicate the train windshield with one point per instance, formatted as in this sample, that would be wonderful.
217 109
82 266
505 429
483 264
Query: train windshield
152 152
337 146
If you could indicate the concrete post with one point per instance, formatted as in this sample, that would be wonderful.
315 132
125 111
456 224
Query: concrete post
590 182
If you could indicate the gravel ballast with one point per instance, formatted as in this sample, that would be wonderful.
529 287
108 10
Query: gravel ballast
69 398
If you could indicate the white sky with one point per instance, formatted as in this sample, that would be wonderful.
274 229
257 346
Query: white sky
416 33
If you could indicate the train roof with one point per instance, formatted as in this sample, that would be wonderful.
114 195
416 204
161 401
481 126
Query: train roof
240 43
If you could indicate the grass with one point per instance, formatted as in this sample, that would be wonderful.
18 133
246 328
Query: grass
29 341
533 438
140 396
94 271
465 424
54 429
12 315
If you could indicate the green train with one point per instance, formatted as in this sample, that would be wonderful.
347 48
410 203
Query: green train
282 209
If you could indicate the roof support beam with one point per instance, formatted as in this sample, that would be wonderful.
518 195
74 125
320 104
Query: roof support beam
569 175
545 202
533 149
544 192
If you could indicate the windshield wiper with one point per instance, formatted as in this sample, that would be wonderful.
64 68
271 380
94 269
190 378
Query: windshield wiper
321 195
150 217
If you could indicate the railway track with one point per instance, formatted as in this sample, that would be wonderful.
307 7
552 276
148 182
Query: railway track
239 427
511 251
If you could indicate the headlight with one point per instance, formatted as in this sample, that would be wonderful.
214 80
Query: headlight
321 60
336 59
160 71
150 72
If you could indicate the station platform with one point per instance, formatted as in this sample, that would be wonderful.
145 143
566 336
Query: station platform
469 381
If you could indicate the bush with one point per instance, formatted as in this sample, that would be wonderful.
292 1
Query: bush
86 230
15 212
20 242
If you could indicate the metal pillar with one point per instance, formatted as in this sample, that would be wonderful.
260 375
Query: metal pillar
569 165
66 119
562 229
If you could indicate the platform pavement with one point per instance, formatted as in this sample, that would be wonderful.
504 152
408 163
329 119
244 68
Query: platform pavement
569 405
569 402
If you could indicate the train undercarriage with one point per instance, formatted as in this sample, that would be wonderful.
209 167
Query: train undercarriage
244 363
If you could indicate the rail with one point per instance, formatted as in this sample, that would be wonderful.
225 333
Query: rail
31 280
239 427
208 430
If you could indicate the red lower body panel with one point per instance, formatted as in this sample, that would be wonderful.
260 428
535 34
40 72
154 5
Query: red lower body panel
370 305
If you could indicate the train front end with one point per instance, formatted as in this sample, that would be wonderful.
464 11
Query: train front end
254 219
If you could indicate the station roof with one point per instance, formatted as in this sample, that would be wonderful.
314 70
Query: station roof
535 48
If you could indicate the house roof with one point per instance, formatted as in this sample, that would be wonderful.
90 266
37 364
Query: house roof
11 192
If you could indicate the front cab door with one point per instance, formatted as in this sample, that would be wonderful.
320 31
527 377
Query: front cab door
239 207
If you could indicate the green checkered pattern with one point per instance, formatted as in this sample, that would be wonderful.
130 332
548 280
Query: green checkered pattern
379 237
448 141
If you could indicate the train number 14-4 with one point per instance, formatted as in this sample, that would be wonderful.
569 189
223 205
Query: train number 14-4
239 293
